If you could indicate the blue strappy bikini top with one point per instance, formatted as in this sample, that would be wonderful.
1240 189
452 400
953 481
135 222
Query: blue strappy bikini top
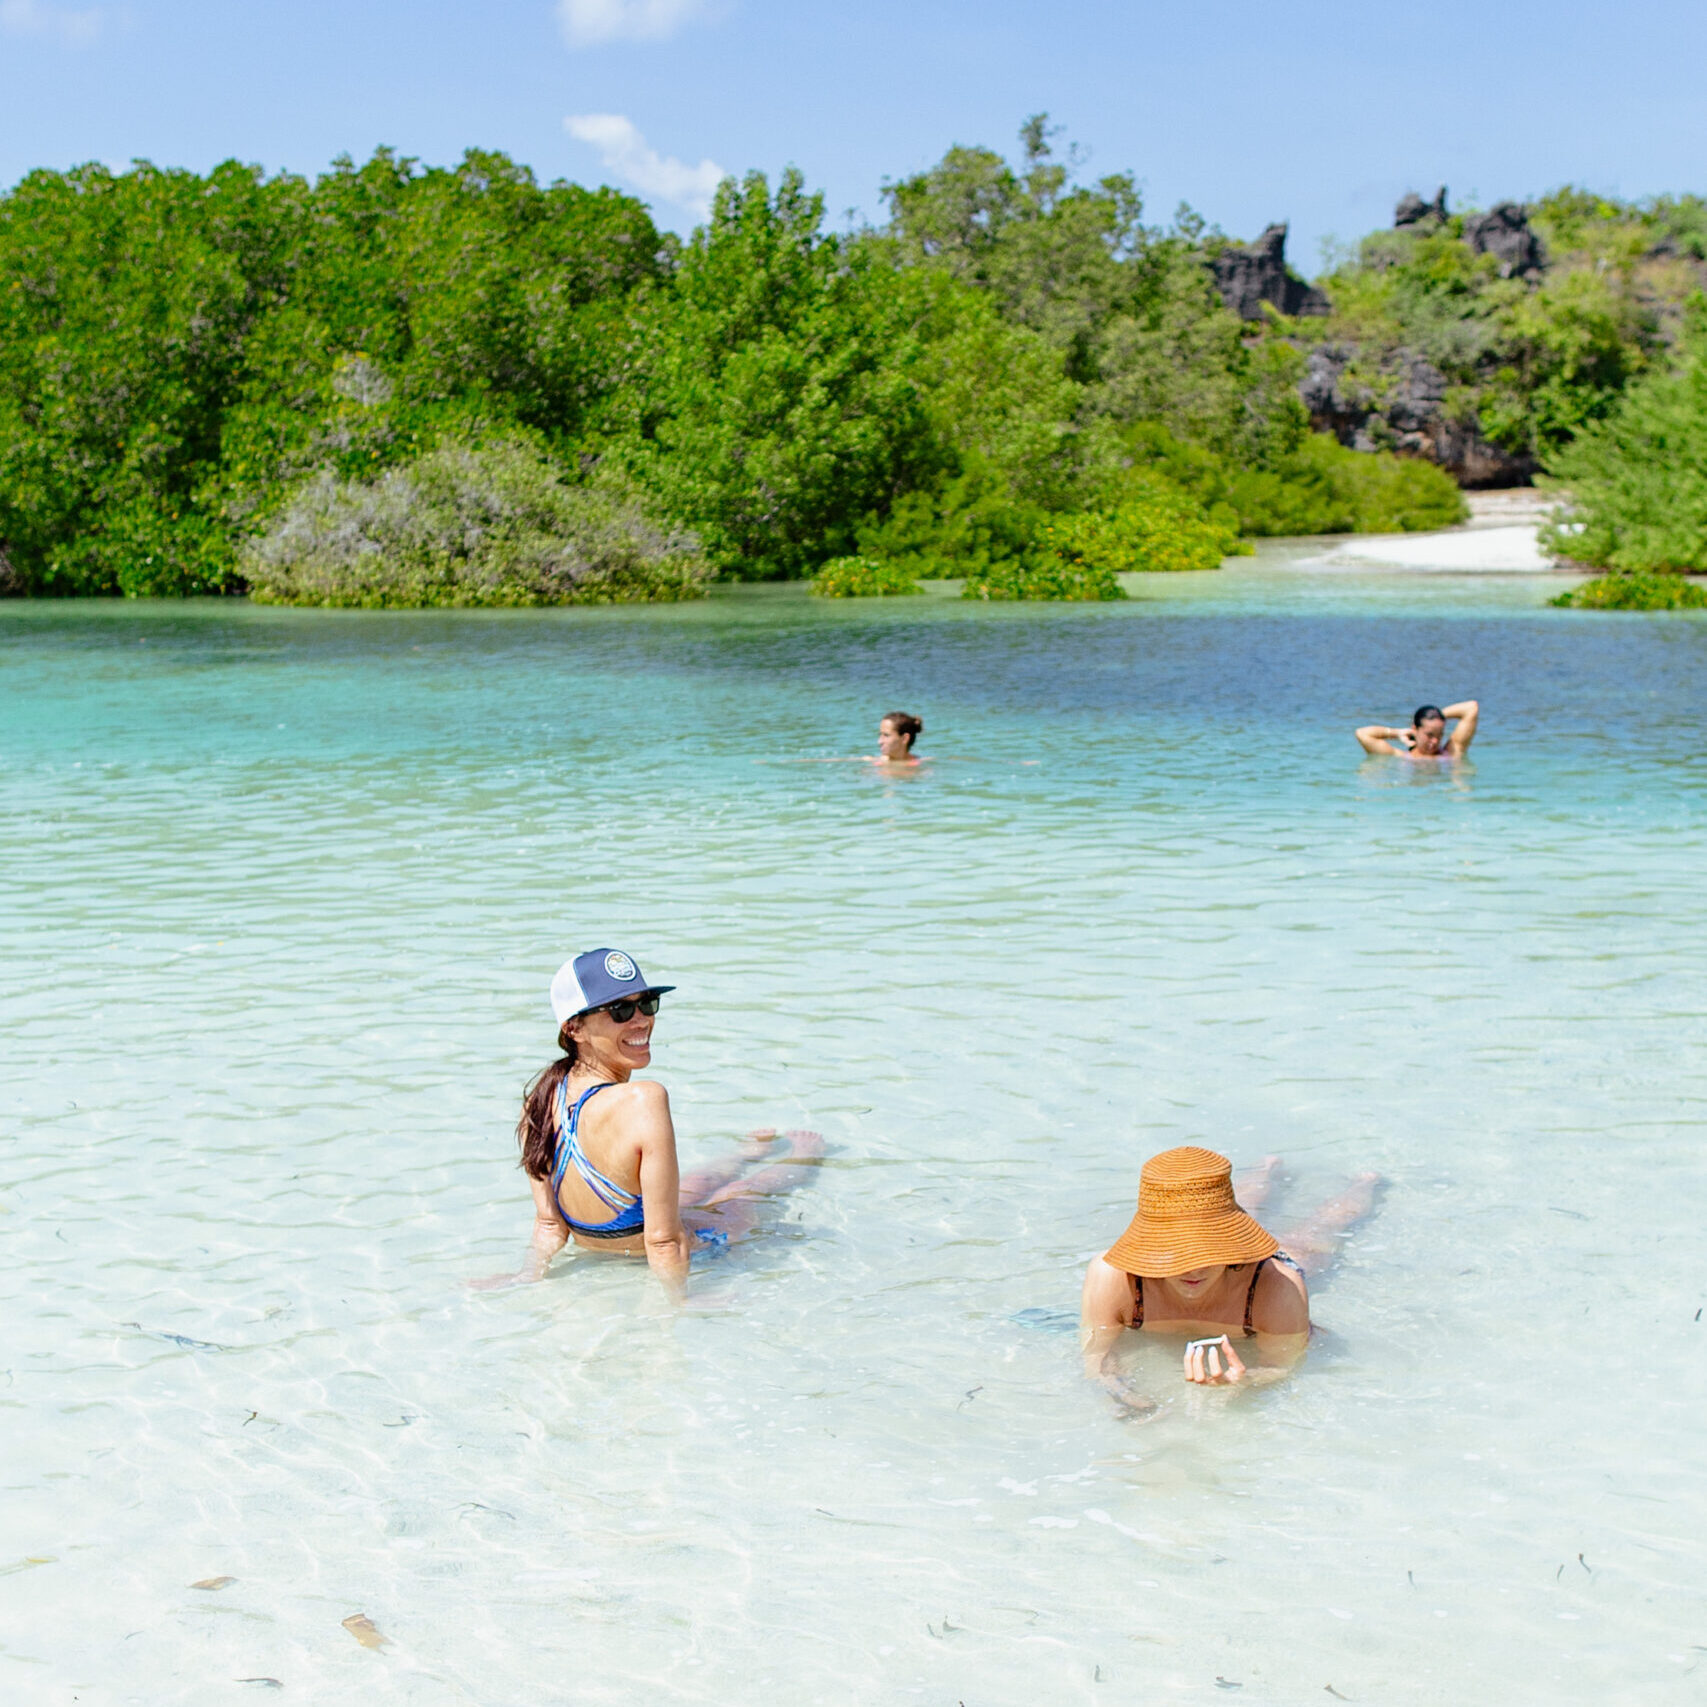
629 1215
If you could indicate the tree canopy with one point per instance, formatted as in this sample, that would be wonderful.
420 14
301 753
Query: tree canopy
197 369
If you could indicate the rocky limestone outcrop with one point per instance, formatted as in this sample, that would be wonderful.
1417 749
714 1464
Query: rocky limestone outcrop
1504 233
1413 210
1402 407
1250 274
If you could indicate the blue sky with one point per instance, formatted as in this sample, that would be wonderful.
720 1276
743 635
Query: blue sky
1321 112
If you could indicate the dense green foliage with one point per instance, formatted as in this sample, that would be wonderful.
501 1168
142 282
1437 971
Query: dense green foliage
176 353
488 524
782 397
1636 589
397 384
1638 479
862 578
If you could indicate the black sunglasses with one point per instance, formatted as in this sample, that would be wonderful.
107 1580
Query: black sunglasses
625 1010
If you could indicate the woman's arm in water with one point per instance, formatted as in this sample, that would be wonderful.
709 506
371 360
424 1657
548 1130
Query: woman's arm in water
1378 738
549 1237
1105 1313
1467 711
648 1109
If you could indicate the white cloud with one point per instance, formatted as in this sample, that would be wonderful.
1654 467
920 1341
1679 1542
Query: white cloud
627 154
70 26
587 22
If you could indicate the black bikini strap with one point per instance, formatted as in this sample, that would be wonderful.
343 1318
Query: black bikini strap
1138 1291
1251 1296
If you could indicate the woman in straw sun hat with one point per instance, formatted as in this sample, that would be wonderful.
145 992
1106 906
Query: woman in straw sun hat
1193 1264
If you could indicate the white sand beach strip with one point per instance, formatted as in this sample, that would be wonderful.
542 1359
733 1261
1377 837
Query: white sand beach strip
1489 550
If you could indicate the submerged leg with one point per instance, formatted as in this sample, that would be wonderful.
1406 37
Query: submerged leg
1316 1242
732 1208
787 1173
1251 1186
732 1220
701 1183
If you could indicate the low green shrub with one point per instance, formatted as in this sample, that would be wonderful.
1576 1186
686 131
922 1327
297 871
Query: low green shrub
1153 526
1043 575
1635 589
1317 486
1002 547
140 550
960 528
491 524
862 578
1379 492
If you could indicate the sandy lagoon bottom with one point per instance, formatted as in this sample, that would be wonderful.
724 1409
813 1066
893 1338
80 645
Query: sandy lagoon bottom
282 895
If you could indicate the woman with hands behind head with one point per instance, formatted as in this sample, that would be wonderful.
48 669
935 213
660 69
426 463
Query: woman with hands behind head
1426 738
1193 1265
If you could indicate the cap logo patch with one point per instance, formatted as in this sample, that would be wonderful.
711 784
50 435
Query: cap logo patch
620 967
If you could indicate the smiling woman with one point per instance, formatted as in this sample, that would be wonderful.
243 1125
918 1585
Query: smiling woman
605 1174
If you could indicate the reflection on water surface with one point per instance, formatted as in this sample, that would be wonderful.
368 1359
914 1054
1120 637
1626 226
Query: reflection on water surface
283 894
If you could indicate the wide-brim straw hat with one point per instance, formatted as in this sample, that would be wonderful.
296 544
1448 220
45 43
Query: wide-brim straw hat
1188 1218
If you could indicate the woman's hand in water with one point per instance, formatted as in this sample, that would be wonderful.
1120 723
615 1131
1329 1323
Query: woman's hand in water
1133 1405
1213 1363
549 1237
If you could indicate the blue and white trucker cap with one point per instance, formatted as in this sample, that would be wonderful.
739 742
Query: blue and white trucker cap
592 979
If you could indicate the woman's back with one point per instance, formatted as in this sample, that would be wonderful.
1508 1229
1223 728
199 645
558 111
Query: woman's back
597 1176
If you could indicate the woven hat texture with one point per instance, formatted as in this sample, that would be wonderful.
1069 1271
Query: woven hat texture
1188 1218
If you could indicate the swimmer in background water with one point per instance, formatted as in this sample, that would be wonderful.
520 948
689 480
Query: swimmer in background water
599 1148
1426 737
896 734
895 737
1193 1265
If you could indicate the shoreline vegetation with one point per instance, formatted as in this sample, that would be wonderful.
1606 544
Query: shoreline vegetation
398 385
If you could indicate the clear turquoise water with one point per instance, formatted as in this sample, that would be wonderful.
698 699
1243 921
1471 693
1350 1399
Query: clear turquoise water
282 895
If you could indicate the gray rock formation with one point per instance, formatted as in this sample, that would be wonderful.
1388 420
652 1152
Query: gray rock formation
1504 233
1402 408
1413 210
1250 274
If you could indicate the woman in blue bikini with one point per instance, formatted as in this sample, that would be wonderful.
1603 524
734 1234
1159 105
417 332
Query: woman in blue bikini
600 1151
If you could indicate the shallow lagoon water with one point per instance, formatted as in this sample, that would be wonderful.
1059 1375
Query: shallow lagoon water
282 895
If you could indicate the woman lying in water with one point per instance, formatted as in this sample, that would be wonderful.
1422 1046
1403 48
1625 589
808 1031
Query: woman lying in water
1194 1266
600 1152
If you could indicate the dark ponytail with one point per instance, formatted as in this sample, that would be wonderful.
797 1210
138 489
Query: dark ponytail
536 1131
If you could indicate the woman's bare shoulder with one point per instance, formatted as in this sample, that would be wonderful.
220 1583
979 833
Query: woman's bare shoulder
634 1115
639 1099
1282 1302
1107 1295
